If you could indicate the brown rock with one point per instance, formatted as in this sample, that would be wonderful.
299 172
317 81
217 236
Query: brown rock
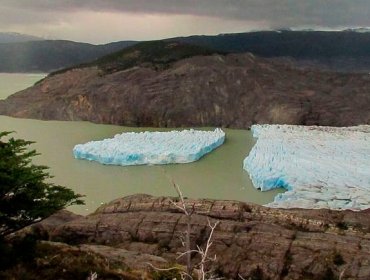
236 91
249 240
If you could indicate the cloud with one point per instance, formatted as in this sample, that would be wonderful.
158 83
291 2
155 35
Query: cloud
279 13
63 18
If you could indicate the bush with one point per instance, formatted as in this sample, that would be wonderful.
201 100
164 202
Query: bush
25 195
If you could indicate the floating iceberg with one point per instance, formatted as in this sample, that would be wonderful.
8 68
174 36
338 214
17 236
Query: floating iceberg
320 167
151 147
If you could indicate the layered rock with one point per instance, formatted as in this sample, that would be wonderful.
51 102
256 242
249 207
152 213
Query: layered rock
233 90
250 240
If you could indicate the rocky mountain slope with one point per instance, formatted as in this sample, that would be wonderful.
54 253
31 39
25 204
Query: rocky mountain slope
168 84
250 240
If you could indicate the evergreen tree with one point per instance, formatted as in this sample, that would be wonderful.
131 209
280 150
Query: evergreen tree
25 195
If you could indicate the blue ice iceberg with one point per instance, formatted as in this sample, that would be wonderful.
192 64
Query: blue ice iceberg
151 147
320 167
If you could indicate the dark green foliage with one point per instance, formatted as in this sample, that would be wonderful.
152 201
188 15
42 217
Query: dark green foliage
256 274
158 54
50 262
329 275
342 225
166 274
25 195
19 250
155 54
338 259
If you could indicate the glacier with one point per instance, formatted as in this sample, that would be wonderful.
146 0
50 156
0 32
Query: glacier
320 167
132 148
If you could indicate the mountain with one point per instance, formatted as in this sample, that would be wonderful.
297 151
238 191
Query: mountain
358 29
345 51
341 51
13 37
50 55
171 84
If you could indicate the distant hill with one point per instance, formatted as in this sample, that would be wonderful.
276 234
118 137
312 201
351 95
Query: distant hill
13 37
50 55
347 51
344 51
297 44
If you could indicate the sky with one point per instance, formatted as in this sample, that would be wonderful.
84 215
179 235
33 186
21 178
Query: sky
103 21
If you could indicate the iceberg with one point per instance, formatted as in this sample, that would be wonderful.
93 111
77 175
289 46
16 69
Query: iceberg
151 147
320 167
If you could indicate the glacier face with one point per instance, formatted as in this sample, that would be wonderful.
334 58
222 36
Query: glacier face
151 147
320 167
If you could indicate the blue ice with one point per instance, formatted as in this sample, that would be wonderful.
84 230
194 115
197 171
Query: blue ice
320 167
151 147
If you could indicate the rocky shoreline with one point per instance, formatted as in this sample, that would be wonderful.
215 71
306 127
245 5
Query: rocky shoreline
249 240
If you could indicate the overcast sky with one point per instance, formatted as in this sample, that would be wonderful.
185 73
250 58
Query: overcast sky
102 21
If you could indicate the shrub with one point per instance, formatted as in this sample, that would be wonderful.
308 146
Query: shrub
25 195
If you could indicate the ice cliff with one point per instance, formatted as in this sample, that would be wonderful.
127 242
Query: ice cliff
320 167
151 147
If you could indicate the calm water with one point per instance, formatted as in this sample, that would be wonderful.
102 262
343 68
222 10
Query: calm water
218 175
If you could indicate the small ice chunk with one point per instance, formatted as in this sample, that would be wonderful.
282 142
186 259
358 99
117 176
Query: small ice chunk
151 147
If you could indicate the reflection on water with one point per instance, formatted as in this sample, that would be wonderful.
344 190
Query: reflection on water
218 175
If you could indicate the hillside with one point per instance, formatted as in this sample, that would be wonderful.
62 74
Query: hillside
49 55
13 37
155 54
345 51
177 85
337 51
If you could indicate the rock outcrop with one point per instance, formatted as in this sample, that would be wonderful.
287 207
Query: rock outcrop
234 90
250 240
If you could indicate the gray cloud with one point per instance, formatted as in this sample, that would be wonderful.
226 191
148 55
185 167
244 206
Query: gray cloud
278 13
100 21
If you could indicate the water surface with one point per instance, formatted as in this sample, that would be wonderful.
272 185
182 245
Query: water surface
218 175
11 83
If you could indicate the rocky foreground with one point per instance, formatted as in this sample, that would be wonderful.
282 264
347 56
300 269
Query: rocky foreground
235 90
250 241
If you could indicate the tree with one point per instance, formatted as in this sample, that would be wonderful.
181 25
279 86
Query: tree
25 195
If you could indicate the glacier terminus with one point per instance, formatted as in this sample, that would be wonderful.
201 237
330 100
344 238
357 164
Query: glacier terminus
320 167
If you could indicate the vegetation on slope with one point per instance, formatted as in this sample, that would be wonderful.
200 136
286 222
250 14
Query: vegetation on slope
297 44
156 54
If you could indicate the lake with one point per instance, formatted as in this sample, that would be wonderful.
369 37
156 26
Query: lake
218 175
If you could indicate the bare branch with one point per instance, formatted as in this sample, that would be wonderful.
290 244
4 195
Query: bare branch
342 274
187 252
183 206
162 269
202 273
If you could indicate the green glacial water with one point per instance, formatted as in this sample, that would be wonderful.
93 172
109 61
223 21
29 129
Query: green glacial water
218 175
